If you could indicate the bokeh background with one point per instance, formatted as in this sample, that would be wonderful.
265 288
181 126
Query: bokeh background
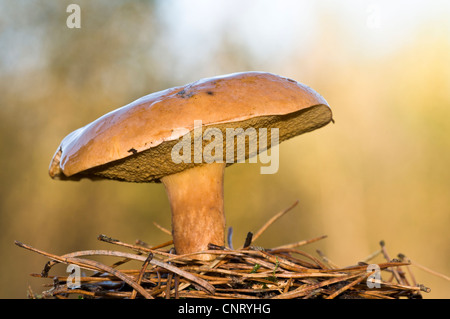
381 172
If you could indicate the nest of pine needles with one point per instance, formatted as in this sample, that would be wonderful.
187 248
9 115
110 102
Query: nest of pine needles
284 272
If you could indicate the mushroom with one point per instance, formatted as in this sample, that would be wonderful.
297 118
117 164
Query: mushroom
136 143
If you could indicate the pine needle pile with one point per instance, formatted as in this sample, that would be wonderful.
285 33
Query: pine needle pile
284 272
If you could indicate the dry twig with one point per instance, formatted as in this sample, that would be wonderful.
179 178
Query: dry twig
282 272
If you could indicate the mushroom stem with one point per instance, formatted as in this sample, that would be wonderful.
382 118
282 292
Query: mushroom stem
196 201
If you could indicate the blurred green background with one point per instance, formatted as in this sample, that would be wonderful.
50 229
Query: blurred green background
381 172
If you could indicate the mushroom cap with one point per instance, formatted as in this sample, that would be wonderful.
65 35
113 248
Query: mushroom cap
133 143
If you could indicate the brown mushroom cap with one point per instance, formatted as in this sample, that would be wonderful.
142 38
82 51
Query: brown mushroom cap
133 143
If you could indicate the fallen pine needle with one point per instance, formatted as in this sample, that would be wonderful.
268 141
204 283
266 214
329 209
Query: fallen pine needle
283 272
246 273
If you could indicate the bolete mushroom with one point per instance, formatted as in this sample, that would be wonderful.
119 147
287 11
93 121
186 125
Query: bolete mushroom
140 142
